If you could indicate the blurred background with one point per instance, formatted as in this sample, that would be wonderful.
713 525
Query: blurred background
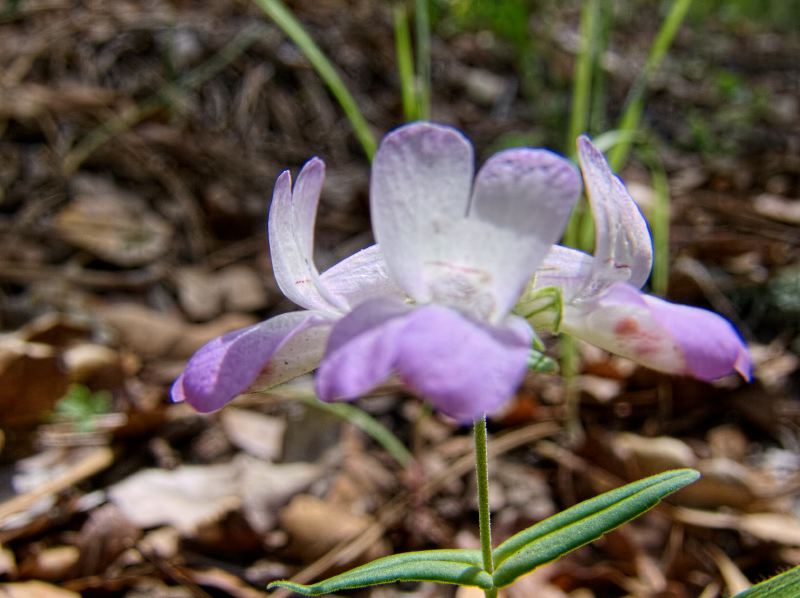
139 143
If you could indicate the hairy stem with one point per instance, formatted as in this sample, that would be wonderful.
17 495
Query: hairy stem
482 468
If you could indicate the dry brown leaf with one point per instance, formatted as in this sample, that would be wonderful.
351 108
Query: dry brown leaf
88 361
315 526
253 432
778 208
50 564
198 293
193 495
242 288
228 583
151 334
265 487
113 224
772 527
31 381
8 563
647 456
198 335
781 528
723 483
184 498
106 534
34 589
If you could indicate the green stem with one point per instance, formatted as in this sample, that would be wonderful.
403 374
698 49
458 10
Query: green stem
482 468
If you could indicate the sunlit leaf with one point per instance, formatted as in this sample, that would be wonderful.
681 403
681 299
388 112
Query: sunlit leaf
583 523
460 567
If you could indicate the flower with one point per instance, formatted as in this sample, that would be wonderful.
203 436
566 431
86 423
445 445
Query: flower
603 305
432 305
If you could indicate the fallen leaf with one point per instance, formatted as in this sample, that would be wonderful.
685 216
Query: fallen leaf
191 496
253 432
242 288
34 589
50 564
778 208
315 526
198 293
112 223
151 334
647 456
265 487
184 498
31 381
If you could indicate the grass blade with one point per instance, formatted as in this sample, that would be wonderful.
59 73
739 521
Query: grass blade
405 63
276 10
422 22
635 103
368 424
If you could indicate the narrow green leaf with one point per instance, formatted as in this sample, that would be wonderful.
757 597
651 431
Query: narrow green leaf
460 567
283 17
423 26
405 63
634 106
583 523
368 424
784 585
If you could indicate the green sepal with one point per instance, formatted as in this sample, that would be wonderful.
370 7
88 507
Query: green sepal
784 585
541 307
541 363
460 567
581 524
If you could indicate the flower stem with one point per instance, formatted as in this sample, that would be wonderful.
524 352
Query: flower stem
482 468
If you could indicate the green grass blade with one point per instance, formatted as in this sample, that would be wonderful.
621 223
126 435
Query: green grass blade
294 30
784 585
582 84
405 63
635 103
459 567
422 22
583 523
371 426
659 223
581 107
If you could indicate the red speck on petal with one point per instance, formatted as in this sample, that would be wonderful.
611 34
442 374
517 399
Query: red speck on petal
626 327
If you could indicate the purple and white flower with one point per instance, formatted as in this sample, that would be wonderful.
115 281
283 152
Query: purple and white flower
602 303
432 302
432 306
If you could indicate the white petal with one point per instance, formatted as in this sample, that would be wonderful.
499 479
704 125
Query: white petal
291 238
565 268
420 187
523 199
624 250
361 276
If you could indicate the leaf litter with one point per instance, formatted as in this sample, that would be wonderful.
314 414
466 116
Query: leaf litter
140 143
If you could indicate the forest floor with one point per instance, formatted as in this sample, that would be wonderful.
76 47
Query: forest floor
139 142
